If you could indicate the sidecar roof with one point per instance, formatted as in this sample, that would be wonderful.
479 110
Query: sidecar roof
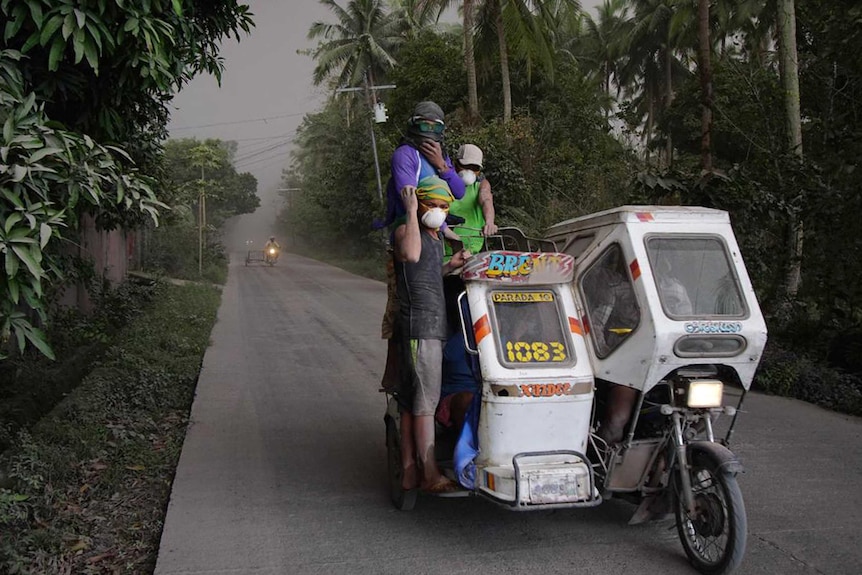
639 214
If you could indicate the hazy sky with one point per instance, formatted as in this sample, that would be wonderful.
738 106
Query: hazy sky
266 89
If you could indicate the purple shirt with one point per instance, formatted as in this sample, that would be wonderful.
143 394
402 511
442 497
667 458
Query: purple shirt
408 167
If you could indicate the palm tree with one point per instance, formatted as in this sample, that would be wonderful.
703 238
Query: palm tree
726 19
652 64
359 47
416 15
603 44
494 14
468 13
525 29
522 27
786 19
704 66
696 22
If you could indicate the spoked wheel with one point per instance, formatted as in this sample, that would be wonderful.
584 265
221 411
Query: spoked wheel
714 536
402 499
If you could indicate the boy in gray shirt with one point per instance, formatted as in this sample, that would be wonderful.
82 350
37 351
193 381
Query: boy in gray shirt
419 273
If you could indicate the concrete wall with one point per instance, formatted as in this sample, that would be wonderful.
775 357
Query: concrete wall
111 253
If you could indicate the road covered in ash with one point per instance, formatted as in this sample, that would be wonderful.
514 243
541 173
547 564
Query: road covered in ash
283 469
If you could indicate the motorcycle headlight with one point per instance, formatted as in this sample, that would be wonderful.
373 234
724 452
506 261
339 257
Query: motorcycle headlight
705 393
272 250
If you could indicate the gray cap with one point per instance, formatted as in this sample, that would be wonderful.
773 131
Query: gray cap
428 110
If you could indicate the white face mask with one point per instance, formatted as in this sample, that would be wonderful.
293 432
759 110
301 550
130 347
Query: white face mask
434 218
468 177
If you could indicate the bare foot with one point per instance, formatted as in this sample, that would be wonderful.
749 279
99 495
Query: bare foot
442 487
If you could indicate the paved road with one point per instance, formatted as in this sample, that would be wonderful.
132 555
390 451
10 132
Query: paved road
283 467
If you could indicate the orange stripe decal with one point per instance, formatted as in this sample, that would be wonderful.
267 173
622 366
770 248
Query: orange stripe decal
585 321
481 328
489 481
575 326
636 269
644 216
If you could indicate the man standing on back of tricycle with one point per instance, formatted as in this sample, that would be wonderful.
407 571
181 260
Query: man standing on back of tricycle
419 271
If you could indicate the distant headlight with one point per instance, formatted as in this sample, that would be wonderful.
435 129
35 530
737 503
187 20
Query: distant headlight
705 393
272 250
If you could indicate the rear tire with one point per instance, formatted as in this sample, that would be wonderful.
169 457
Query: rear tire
714 538
402 499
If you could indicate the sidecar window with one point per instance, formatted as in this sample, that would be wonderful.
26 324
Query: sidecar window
609 298
530 329
694 277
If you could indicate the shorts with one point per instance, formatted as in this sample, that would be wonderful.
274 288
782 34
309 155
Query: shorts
423 375
390 316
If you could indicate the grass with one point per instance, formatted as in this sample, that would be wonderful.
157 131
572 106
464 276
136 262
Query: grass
87 487
32 384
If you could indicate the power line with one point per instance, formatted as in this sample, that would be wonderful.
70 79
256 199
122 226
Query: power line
264 159
259 153
260 147
261 138
238 122
253 154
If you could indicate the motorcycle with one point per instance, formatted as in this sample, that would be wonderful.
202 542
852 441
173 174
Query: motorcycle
653 301
691 346
271 255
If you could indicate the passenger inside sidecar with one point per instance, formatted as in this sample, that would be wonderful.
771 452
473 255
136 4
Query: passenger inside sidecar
694 277
612 307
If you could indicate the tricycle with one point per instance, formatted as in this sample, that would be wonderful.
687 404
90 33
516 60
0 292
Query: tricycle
608 356
268 256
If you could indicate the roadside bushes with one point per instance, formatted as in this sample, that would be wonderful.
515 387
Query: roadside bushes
173 250
790 374
33 384
86 488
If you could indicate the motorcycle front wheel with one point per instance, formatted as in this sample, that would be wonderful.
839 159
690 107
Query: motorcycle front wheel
714 536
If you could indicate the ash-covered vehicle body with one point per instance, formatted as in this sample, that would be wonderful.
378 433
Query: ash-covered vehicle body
652 299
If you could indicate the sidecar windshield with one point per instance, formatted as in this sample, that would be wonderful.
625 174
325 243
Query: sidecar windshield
530 328
694 277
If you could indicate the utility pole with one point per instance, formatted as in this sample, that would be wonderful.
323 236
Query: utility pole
289 197
202 216
203 156
379 117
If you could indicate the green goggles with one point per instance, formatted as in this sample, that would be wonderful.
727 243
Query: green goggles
429 126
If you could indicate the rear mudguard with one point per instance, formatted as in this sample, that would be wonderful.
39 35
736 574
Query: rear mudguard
725 458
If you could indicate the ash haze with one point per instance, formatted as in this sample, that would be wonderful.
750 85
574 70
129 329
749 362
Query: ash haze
265 91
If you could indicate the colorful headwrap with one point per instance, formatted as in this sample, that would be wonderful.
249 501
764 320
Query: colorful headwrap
434 188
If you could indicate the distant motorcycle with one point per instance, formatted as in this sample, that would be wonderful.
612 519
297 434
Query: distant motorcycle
271 256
